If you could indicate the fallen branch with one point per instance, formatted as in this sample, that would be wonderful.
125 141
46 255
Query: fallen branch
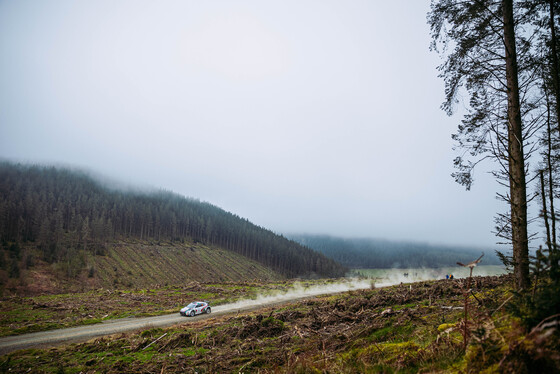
543 325
247 363
501 306
476 298
154 341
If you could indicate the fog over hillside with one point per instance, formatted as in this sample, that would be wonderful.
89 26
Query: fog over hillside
378 253
299 116
62 214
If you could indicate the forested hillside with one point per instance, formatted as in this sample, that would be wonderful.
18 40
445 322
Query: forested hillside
60 211
376 253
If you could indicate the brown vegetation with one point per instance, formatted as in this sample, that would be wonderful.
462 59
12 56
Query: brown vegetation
406 328
28 314
135 264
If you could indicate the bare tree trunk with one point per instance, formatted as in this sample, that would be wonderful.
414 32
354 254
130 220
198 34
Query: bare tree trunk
550 177
517 183
544 211
555 67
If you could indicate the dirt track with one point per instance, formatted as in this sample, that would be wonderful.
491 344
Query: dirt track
79 334
84 333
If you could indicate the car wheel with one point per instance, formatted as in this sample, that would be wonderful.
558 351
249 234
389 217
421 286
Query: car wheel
208 310
192 313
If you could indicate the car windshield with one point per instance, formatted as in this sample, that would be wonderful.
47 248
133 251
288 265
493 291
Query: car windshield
191 305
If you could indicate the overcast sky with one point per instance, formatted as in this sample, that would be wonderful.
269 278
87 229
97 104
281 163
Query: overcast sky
302 116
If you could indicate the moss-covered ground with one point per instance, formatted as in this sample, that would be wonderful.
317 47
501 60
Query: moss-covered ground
408 328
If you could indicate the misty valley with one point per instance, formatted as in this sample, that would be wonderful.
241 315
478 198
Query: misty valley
392 276
279 186
77 252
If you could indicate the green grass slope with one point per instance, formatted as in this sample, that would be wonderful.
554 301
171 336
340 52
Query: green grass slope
137 264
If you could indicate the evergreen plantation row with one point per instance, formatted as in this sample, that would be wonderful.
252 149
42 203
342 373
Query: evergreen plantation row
54 209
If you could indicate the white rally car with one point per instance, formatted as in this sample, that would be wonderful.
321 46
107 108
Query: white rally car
196 307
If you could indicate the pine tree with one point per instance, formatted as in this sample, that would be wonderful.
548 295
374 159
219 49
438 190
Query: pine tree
483 52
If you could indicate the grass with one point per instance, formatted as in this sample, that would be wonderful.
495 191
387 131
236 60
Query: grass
346 333
137 264
390 330
38 313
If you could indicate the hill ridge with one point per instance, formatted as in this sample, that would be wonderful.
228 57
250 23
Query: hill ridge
59 211
382 253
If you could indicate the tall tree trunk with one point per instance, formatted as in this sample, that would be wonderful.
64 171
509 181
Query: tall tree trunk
553 245
555 68
550 174
545 211
517 183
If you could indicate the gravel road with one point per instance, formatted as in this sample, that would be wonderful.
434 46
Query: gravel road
79 334
51 338
83 333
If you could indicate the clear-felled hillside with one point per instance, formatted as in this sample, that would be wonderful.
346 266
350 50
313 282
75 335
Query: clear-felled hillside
59 212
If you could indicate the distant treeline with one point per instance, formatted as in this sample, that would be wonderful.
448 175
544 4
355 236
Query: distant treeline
375 253
57 209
